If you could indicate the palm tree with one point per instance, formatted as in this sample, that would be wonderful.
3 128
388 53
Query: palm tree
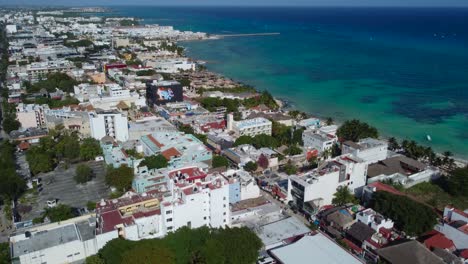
393 144
329 121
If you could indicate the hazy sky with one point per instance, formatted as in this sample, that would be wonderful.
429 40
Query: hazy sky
244 2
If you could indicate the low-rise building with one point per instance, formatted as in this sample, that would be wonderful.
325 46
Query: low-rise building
249 127
178 148
316 188
455 226
317 140
369 149
403 170
315 248
31 115
374 219
242 186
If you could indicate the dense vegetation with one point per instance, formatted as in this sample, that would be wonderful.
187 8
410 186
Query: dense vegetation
58 213
60 145
343 196
5 253
355 130
259 141
54 80
12 185
410 216
201 245
121 178
9 118
220 161
53 103
83 174
232 105
128 22
286 135
154 162
250 166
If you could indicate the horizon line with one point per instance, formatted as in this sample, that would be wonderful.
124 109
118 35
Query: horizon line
229 5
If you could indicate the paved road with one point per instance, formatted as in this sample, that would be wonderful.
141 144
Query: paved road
60 184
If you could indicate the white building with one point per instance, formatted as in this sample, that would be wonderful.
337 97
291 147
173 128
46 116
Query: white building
11 29
403 170
374 219
318 140
315 189
191 202
171 65
69 241
31 115
108 123
242 186
39 70
455 226
369 149
249 127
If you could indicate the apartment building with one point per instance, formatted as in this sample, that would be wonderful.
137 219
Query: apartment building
108 123
318 140
316 188
178 148
249 127
369 149
31 115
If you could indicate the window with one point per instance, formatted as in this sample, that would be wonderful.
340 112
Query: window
169 228
169 220
204 218
224 205
77 253
224 198
169 212
224 213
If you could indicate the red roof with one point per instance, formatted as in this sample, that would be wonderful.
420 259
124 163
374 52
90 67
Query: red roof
352 245
464 254
157 143
439 241
171 152
24 145
384 187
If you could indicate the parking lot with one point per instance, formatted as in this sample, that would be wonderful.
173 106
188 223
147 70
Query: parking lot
60 185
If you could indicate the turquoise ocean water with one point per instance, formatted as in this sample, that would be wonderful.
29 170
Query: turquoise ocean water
404 71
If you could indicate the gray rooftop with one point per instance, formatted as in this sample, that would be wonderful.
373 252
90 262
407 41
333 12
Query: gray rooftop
280 230
45 239
314 249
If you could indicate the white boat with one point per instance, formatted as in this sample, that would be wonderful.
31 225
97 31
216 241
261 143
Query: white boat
428 138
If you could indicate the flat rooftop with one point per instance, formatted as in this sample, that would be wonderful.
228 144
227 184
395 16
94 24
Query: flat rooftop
318 248
278 231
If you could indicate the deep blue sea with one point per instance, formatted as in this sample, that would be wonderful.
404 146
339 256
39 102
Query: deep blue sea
403 70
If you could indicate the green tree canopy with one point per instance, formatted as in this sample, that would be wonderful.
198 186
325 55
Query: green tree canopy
83 174
410 216
39 160
120 178
458 182
343 196
200 245
220 161
154 162
250 166
59 213
355 130
90 149
12 185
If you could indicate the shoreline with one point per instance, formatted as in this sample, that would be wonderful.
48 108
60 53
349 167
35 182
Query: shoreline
289 105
